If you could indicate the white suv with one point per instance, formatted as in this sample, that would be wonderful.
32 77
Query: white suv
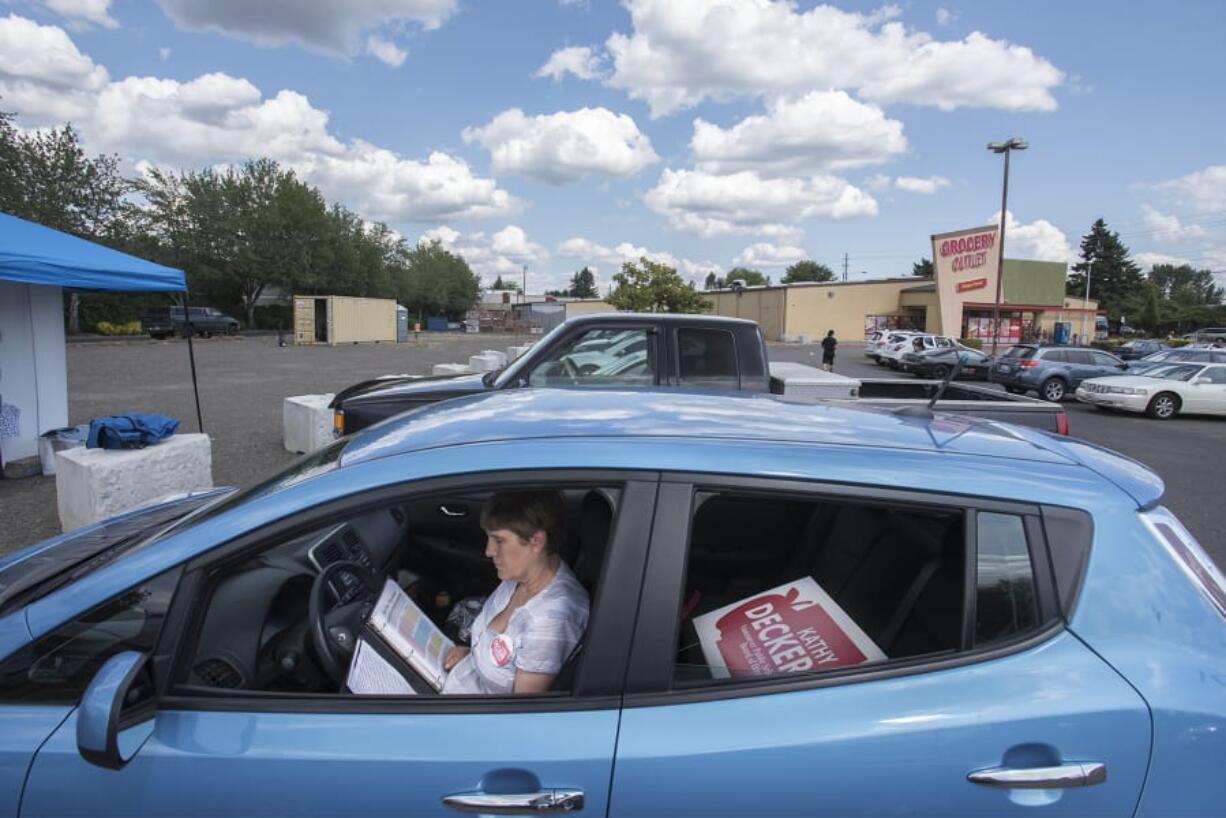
892 354
885 339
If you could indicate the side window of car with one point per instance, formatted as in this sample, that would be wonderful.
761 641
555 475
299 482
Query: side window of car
1055 356
707 357
1214 374
786 584
58 667
1079 357
1103 359
1005 602
599 357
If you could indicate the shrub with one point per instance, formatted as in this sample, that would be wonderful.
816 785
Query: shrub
274 316
973 343
128 328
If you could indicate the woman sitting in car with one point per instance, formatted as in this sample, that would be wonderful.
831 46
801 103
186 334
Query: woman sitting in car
536 616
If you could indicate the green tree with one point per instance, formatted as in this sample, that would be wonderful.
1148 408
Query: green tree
713 282
648 286
583 285
46 177
752 278
923 268
806 270
507 284
1114 276
1194 286
436 281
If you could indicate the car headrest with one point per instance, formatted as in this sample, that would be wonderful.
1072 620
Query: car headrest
596 519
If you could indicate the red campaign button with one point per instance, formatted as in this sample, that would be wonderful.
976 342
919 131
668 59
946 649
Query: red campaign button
500 650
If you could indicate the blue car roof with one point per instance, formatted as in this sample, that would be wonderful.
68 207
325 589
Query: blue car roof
647 413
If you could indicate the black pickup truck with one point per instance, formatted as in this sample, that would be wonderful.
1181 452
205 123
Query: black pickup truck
620 350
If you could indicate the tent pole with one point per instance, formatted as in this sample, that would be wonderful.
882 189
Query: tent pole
191 355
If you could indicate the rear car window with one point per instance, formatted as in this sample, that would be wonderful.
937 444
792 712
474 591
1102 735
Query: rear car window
1019 352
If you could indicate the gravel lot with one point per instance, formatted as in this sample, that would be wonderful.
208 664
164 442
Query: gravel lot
243 381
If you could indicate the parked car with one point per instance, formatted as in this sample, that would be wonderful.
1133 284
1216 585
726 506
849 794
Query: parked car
888 338
1052 371
1133 350
162 322
1162 392
1171 356
989 634
891 355
939 362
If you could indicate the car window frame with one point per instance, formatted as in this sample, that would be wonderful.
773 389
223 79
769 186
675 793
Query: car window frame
649 675
598 678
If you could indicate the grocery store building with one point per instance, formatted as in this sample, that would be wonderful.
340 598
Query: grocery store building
957 301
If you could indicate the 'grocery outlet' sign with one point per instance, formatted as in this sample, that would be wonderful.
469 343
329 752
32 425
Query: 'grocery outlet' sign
966 266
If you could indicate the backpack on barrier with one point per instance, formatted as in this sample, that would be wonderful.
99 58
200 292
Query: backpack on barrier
134 430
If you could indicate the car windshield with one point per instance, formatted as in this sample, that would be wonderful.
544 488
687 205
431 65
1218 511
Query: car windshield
1174 372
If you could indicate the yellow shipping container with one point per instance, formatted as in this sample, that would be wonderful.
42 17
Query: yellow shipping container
342 319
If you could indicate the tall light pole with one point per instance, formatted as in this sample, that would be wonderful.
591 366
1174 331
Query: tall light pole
1086 304
1006 148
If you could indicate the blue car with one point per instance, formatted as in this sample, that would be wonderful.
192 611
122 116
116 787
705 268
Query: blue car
795 610
1052 371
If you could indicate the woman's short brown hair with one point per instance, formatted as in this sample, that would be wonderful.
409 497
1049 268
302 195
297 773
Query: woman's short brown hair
525 513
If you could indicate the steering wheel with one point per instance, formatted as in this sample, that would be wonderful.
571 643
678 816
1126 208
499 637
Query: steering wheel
333 628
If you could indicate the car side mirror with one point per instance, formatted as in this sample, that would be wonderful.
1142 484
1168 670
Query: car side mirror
1198 381
1121 366
115 717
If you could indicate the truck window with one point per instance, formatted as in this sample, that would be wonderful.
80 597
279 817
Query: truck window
599 357
707 357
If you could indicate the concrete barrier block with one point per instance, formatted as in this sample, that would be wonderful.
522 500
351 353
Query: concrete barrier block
498 354
483 362
452 369
306 422
94 484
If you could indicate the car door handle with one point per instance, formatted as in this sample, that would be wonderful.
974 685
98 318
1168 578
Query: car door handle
1072 774
533 803
458 511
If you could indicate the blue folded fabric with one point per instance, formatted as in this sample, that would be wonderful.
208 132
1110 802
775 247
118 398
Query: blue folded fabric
133 430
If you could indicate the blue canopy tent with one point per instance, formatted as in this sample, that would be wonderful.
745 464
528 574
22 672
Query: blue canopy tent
36 264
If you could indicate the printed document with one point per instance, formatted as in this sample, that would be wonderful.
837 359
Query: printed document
407 630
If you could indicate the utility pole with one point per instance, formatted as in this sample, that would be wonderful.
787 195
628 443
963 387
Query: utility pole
523 293
1085 305
844 267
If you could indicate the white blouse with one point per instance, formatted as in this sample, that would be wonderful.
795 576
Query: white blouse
538 638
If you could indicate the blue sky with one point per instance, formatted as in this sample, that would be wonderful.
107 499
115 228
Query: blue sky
557 134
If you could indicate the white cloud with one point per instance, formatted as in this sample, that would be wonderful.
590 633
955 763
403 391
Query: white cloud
164 53
502 254
878 181
1040 240
84 12
578 60
1165 227
597 256
216 118
565 146
1204 190
764 254
682 52
946 16
745 203
913 184
334 28
821 131
1146 261
386 51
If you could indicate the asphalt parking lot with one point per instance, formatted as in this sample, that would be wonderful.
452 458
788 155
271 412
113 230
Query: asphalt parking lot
243 381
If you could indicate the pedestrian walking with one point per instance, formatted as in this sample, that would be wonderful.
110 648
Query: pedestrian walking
828 345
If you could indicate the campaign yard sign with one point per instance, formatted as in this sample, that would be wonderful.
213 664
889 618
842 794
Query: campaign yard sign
790 628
